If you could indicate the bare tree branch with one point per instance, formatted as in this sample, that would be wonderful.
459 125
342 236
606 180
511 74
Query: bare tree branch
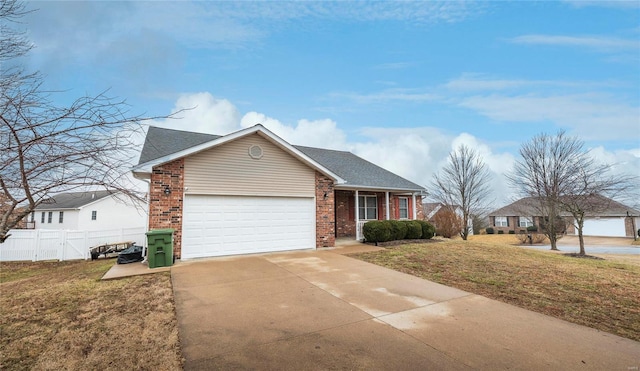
463 183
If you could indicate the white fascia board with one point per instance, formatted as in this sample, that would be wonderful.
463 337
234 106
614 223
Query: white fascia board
143 171
376 189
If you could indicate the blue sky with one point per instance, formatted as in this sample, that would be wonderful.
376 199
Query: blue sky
398 83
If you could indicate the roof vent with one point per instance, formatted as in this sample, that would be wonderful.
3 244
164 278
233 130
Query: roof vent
255 152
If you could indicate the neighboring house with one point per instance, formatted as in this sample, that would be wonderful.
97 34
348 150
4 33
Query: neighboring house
251 192
431 211
96 210
5 204
617 220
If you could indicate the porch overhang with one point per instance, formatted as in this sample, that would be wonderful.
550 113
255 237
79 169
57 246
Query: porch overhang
348 187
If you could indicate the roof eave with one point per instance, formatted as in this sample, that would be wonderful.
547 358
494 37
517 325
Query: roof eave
377 188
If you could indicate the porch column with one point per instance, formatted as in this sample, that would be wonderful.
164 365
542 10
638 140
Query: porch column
413 203
357 216
386 198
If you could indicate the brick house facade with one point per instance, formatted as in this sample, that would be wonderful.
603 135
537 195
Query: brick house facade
251 192
612 219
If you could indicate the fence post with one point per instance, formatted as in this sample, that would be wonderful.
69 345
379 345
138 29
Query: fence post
63 245
86 245
36 248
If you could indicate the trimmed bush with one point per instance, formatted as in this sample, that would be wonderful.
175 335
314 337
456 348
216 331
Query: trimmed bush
638 232
500 232
398 229
489 230
532 228
512 232
376 231
428 230
414 230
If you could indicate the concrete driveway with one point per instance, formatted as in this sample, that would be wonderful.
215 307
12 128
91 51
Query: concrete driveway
320 310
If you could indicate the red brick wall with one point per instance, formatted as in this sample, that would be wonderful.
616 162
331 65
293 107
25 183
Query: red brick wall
165 211
630 228
345 214
325 212
419 208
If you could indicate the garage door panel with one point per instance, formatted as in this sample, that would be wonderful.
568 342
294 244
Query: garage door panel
605 227
228 225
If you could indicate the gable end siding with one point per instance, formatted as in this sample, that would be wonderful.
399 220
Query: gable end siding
229 170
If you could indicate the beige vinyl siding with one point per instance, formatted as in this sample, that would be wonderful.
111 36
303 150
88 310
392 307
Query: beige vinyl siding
229 170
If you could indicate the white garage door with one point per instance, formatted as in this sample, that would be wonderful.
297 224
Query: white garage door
609 227
230 225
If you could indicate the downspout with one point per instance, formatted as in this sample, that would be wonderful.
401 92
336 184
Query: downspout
146 222
387 201
356 213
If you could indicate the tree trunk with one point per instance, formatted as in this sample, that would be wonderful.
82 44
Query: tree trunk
580 225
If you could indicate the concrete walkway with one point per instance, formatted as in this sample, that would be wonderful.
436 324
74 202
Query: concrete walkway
321 310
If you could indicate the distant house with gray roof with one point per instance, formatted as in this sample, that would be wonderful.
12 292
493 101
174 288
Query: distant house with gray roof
252 192
613 219
90 211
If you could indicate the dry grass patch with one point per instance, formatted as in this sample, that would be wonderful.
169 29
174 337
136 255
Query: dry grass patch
597 293
60 316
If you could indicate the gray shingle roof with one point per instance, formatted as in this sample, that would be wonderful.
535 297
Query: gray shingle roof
526 207
357 171
72 200
161 142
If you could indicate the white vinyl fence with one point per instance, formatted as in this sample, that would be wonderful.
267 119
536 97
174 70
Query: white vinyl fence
49 244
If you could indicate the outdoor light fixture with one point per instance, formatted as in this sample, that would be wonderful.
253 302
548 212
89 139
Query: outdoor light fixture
326 195
167 190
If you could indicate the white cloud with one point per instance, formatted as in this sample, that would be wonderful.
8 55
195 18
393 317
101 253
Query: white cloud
202 112
388 95
313 133
598 43
621 4
590 116
479 82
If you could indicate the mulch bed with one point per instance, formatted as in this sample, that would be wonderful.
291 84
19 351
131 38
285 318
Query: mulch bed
401 242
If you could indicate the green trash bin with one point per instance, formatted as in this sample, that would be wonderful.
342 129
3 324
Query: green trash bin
160 248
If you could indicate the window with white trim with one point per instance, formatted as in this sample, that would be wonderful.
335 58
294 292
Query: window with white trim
367 207
501 221
403 207
525 221
50 217
94 215
42 218
61 217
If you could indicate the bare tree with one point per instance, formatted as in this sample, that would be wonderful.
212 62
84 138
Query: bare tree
559 176
541 173
47 149
463 182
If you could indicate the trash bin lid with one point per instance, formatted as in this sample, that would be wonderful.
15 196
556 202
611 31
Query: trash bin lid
160 231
